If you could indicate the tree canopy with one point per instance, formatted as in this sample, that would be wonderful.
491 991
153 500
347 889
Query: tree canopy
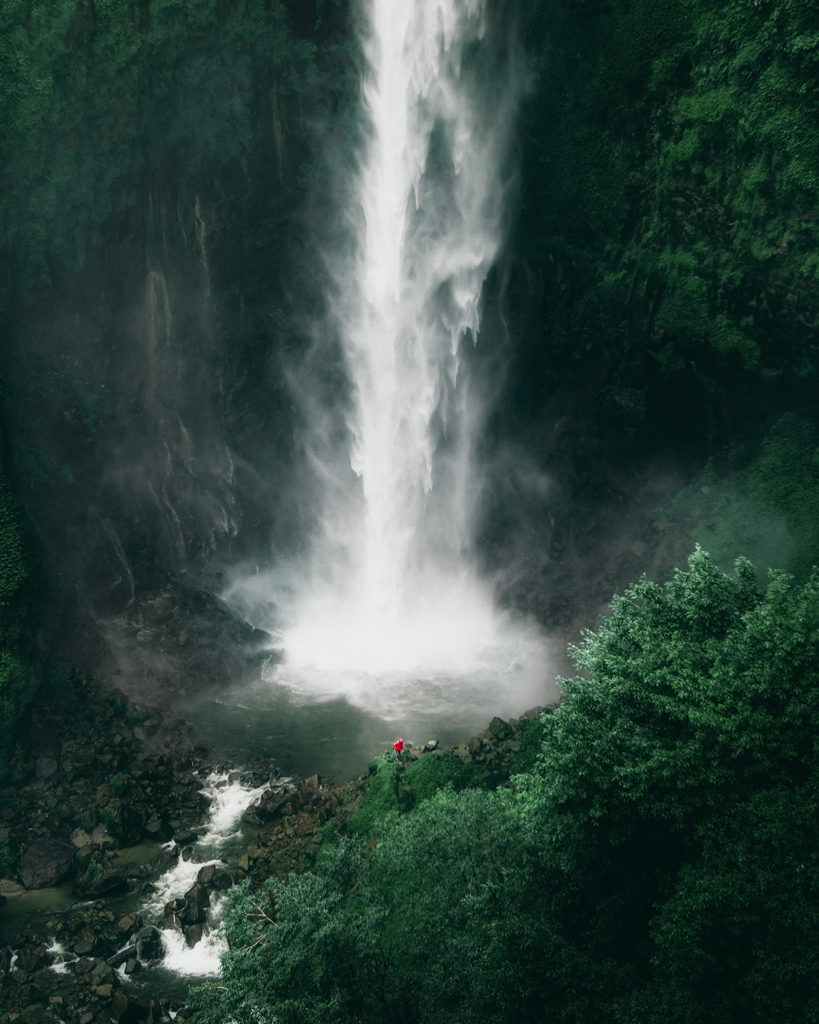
658 862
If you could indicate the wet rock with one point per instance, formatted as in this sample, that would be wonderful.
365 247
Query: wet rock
196 905
498 730
148 942
30 958
128 924
46 862
45 767
272 801
106 878
128 1009
122 956
157 829
214 876
84 942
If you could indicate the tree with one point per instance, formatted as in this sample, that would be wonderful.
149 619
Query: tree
672 801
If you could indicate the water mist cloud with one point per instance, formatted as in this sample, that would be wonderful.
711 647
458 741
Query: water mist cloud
386 605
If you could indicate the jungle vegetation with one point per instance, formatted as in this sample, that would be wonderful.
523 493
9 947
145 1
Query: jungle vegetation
658 862
162 167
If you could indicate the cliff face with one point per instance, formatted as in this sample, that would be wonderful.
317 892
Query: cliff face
168 190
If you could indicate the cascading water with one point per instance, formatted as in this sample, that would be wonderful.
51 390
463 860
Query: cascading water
389 613
430 196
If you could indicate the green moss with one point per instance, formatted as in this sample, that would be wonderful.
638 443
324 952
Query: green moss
401 785
382 795
786 477
431 773
13 568
767 506
18 682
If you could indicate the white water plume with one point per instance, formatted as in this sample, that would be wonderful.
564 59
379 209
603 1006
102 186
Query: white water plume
228 800
390 590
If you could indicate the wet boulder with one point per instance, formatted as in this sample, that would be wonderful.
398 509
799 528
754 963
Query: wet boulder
270 804
47 861
214 876
196 905
148 942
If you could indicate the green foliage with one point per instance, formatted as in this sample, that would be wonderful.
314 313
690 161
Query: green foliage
13 568
670 159
658 862
18 676
659 797
383 793
395 785
786 476
431 773
18 682
87 93
766 503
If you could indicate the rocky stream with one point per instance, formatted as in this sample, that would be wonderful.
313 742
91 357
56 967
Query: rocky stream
120 841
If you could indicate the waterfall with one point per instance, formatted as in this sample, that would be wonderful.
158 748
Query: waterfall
430 195
390 593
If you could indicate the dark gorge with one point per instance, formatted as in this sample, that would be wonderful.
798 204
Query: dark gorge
350 368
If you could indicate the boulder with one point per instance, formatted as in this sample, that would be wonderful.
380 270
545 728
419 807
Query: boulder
30 958
148 942
271 802
84 942
122 956
46 862
499 730
197 904
214 876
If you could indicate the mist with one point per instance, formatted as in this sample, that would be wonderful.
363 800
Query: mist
385 607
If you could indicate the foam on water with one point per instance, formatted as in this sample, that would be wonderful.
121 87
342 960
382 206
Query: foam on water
228 800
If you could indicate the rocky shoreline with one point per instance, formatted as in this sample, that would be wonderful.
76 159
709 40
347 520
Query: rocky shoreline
111 799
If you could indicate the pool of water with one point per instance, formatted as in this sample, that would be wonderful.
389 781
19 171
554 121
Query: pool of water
335 722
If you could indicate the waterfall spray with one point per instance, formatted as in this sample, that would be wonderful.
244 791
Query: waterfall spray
390 610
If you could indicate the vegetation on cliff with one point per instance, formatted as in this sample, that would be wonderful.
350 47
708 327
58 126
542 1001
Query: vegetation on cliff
18 669
669 230
160 163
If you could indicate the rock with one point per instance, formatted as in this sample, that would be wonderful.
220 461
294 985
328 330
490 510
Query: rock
214 876
157 829
102 879
271 802
193 934
81 839
45 767
129 923
122 956
30 958
84 942
149 944
498 729
197 904
8 887
46 862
